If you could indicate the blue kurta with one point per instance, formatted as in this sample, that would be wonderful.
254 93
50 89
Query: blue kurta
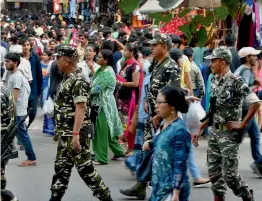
169 172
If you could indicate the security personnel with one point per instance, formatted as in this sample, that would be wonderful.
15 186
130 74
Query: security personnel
73 130
229 92
6 117
164 72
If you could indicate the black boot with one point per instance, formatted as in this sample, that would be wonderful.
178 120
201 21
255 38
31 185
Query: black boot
59 198
219 198
14 154
138 191
249 197
109 198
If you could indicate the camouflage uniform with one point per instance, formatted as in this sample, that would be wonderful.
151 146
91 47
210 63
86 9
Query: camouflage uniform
6 108
223 145
6 117
74 89
164 74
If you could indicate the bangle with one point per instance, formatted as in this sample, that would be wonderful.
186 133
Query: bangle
75 133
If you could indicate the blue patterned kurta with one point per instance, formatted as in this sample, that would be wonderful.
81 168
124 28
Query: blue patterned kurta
169 171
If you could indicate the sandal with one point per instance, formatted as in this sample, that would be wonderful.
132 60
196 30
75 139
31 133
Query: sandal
114 158
98 163
127 154
27 163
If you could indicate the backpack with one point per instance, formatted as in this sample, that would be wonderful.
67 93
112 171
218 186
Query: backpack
243 70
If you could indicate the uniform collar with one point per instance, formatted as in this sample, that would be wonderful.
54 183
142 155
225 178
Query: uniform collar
167 58
228 74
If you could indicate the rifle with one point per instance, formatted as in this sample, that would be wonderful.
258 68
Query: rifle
8 138
211 111
151 126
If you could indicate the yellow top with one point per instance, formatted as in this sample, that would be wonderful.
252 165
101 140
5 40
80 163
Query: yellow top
186 68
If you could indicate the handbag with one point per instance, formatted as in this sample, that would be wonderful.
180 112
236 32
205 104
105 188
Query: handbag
144 166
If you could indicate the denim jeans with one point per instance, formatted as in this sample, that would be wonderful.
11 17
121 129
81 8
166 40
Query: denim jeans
254 134
24 138
192 164
43 96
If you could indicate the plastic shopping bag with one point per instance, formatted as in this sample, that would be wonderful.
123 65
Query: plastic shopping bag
194 115
49 107
168 198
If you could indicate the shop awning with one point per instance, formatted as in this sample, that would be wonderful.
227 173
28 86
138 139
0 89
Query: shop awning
25 1
205 3
153 6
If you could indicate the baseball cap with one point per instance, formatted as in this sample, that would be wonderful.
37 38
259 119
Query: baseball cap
161 38
245 51
221 52
67 51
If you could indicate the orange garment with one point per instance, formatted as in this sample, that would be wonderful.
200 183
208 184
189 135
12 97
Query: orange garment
135 22
56 6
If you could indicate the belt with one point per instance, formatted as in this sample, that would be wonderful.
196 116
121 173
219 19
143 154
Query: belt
219 126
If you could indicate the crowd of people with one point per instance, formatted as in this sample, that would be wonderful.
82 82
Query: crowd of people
103 85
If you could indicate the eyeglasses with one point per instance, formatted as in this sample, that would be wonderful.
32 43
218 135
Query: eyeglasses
160 102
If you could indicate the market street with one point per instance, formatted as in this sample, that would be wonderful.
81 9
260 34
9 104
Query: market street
33 183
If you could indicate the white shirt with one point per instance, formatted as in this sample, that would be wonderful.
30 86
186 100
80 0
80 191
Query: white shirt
15 48
3 53
25 68
39 31
18 81
86 70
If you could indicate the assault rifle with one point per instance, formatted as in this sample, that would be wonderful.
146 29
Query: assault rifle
7 139
211 111
150 113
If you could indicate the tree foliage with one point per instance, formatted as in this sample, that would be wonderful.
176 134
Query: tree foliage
195 28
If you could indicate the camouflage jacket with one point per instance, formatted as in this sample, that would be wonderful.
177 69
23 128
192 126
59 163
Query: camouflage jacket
6 107
230 92
73 89
165 74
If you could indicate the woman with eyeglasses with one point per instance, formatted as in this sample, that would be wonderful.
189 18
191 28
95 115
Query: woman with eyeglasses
108 124
171 146
88 65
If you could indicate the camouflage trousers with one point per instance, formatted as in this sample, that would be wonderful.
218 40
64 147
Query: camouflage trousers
222 161
66 158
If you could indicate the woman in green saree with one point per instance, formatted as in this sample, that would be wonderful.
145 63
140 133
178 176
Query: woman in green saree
108 124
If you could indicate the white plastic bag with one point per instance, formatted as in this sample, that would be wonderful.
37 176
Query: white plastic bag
194 115
49 107
26 122
168 198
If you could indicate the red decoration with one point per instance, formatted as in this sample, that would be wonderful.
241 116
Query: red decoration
172 27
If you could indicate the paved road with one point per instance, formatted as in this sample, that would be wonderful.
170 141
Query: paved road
33 183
